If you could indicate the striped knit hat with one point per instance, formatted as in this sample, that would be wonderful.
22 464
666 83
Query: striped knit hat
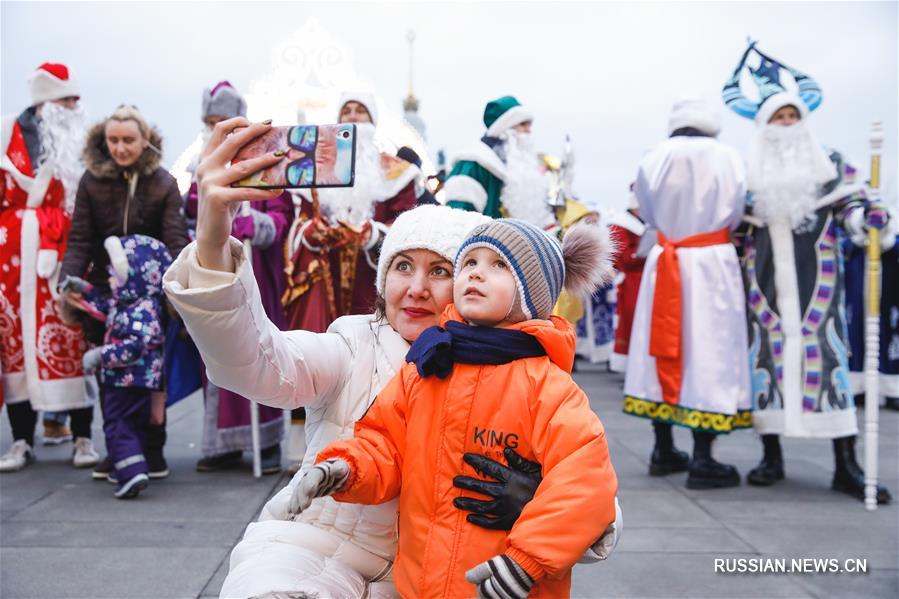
540 263
534 258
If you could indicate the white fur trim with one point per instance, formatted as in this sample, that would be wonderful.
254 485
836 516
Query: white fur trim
15 387
45 87
855 226
838 194
618 362
482 154
514 116
697 113
465 189
117 257
627 221
822 425
775 103
409 175
39 186
28 301
366 99
786 284
47 261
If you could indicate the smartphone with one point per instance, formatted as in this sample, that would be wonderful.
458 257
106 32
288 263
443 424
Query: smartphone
317 156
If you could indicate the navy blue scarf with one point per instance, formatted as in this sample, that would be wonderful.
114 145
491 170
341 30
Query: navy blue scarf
437 349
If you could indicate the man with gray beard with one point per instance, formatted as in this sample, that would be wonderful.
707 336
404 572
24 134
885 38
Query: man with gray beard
40 354
500 176
800 194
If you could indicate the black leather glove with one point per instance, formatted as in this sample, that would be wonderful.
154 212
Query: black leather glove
516 487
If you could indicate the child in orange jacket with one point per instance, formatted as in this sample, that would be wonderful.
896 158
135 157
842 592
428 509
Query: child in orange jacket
496 375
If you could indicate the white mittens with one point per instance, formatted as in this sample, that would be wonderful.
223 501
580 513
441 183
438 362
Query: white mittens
47 261
322 479
604 547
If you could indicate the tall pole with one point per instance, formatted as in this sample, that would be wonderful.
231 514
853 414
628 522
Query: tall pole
410 37
254 407
872 333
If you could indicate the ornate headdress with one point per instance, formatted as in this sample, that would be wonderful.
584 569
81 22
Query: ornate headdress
772 94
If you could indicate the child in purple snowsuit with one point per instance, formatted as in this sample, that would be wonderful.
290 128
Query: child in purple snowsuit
130 360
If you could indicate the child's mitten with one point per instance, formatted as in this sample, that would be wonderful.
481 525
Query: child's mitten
92 360
322 479
500 578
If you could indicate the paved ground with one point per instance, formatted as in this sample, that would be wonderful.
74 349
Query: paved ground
63 535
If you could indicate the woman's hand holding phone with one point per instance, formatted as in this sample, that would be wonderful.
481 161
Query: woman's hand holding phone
218 201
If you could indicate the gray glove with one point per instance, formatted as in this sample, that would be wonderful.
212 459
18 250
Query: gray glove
73 284
92 360
500 578
322 479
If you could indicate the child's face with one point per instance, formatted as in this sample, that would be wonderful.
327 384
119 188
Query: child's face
484 291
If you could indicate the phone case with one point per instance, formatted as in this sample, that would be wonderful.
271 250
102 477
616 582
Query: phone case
317 156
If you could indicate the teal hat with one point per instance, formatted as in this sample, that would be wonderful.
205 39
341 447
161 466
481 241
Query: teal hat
504 113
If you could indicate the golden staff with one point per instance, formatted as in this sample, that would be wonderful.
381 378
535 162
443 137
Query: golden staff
872 332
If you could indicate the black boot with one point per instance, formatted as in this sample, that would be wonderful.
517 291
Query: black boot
705 472
848 477
666 458
771 468
156 437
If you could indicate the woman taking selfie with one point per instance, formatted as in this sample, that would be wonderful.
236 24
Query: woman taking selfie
332 549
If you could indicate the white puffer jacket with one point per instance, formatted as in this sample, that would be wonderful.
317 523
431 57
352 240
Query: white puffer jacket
333 549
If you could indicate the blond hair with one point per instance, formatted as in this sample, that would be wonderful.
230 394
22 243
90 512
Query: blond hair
130 112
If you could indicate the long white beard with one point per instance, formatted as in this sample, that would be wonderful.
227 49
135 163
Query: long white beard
525 190
354 204
62 132
787 168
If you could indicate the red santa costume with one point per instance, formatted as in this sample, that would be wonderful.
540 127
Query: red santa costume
40 354
627 229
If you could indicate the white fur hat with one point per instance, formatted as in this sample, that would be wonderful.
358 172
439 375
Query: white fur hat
437 228
695 112
366 99
775 102
51 81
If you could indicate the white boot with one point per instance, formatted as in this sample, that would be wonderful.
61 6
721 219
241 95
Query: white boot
296 445
16 457
84 456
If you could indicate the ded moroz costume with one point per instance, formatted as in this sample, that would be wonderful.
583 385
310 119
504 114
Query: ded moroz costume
800 195
40 354
687 361
501 175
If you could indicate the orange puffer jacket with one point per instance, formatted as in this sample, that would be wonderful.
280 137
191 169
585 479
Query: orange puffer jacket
411 442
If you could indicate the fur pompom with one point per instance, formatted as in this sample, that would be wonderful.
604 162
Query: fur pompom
588 251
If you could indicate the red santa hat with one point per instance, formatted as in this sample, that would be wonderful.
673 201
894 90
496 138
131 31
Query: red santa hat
51 81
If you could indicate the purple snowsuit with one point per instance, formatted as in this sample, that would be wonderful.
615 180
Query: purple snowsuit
131 356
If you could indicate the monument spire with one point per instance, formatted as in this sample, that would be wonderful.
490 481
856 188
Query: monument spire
410 103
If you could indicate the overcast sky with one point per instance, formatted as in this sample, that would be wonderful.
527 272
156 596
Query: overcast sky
605 72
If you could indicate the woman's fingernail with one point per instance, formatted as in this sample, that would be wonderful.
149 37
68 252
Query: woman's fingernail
267 122
280 153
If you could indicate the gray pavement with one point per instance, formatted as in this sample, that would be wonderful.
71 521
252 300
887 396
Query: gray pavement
63 535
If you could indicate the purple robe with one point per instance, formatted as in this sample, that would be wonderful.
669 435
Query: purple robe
226 424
